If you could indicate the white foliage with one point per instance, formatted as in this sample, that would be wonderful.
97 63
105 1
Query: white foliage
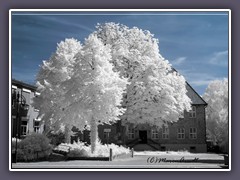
95 91
79 149
156 93
50 80
216 96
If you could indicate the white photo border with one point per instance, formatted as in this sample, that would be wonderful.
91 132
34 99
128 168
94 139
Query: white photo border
53 11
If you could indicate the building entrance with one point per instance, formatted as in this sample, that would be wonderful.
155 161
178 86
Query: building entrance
143 137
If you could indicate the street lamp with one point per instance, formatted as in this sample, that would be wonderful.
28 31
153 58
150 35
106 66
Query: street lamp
20 106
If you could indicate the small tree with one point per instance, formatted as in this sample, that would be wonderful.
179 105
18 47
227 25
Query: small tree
95 91
216 96
50 79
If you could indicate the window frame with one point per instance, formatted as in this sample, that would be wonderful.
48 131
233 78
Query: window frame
181 133
192 135
24 128
131 133
37 127
154 134
165 133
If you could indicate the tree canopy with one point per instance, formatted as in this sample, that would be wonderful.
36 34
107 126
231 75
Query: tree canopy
50 79
216 96
156 93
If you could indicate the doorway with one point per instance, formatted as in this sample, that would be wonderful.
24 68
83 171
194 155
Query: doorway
143 137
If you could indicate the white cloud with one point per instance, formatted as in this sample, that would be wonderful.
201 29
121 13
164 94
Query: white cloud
200 82
199 79
69 23
219 58
179 61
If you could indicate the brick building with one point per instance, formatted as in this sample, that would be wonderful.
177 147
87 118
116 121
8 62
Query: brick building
24 116
189 133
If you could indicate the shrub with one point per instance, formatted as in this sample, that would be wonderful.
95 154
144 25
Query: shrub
34 147
80 149
78 153
56 139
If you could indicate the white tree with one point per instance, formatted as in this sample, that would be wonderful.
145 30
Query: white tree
49 79
156 93
95 91
216 96
84 87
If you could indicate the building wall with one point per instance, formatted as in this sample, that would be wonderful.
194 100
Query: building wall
187 123
172 142
26 92
195 148
187 143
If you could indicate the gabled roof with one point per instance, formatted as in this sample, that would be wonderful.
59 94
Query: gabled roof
194 96
191 93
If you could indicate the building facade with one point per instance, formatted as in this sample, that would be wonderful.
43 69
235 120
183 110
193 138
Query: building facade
24 115
187 134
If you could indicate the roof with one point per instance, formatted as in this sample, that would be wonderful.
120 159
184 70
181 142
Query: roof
191 93
194 96
21 84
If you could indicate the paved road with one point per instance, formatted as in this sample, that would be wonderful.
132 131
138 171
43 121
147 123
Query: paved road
138 161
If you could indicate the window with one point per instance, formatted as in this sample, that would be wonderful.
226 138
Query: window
165 133
192 113
24 128
193 133
105 135
37 126
181 133
155 134
131 134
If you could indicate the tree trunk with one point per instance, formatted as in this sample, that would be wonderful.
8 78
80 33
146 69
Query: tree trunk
67 134
93 135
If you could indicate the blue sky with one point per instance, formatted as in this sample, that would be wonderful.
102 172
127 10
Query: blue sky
195 43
